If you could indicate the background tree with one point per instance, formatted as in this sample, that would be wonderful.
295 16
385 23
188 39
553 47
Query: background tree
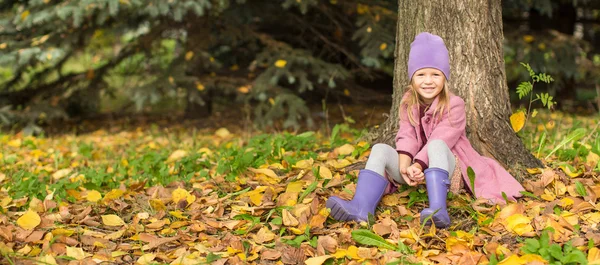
62 55
472 31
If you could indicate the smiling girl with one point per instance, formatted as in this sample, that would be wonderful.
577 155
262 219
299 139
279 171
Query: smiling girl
431 146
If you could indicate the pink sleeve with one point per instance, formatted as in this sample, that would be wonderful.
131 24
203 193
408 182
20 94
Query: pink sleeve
449 129
406 138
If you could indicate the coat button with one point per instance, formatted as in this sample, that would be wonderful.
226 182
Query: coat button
427 120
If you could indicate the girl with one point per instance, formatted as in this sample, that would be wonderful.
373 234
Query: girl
431 146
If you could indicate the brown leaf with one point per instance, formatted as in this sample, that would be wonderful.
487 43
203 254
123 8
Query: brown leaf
59 248
582 207
292 255
35 237
270 254
6 232
326 243
155 241
288 218
548 176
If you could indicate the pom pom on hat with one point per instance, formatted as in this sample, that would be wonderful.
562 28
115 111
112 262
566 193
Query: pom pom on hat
428 51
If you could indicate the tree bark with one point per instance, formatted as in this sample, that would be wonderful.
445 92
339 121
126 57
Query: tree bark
472 31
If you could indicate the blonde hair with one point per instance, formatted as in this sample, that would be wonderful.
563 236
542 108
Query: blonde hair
414 99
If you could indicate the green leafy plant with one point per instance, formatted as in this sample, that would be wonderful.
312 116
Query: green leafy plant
554 253
519 118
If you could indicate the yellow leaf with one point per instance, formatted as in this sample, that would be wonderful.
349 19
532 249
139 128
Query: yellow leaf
200 86
528 38
179 194
325 173
294 186
461 238
29 220
591 159
178 214
536 170
112 220
171 80
62 231
114 235
113 194
280 63
15 143
244 89
317 260
512 260
266 171
570 171
534 113
76 253
304 164
263 235
146 259
383 46
176 155
289 219
518 224
222 133
118 253
346 92
517 120
93 196
47 260
533 258
157 205
256 195
25 14
189 55
593 256
345 150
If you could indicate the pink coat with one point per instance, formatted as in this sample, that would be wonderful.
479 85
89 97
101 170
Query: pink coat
490 178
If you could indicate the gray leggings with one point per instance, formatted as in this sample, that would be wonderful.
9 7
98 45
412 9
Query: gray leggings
384 158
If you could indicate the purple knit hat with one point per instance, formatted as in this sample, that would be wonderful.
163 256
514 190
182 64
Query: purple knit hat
428 50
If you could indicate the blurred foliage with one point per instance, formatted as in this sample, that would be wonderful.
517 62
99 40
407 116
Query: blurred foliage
268 55
58 59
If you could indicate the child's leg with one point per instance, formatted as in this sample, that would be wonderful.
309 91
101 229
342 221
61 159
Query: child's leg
440 156
441 164
370 187
384 158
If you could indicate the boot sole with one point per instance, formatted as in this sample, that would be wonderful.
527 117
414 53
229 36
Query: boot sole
338 212
439 223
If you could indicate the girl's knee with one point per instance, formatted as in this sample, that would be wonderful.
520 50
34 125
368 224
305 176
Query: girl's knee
436 145
377 148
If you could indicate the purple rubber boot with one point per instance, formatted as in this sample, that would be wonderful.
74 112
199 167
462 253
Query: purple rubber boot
369 190
436 180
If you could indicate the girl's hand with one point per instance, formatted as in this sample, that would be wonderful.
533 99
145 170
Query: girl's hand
412 175
415 173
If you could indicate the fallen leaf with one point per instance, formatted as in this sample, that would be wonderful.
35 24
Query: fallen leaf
517 120
519 224
176 155
61 173
76 253
112 220
93 196
288 218
146 259
29 220
317 260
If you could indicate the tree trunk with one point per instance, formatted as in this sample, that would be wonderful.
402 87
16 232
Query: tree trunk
472 31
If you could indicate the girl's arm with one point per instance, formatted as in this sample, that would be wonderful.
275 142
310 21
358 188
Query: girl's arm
406 137
449 129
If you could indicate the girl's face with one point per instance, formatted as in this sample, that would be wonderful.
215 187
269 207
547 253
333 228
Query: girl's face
429 83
